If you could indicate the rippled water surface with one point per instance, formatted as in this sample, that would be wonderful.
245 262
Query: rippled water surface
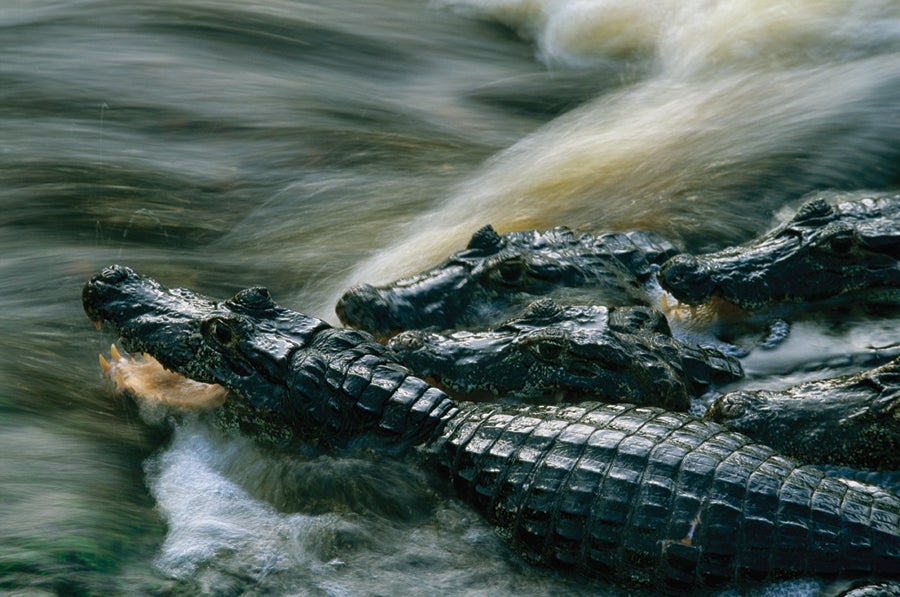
307 146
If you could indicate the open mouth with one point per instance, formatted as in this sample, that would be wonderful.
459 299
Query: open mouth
143 378
119 297
715 309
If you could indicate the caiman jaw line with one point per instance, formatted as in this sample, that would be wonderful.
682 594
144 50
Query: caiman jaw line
147 380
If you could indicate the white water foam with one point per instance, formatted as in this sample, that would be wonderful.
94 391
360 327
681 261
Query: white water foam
214 524
692 35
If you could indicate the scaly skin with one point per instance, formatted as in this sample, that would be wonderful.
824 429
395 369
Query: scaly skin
634 493
552 353
496 276
852 420
822 252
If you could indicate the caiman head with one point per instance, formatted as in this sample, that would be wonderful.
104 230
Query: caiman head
822 252
497 276
270 358
551 353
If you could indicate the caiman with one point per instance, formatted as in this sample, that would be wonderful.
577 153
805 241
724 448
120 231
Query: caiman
554 353
822 252
638 494
572 353
853 420
497 276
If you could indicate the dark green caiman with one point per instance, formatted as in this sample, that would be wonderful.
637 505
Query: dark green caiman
853 420
823 251
553 353
496 276
634 493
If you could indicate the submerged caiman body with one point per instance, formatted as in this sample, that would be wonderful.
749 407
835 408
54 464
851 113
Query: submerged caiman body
823 251
852 420
634 493
496 276
554 353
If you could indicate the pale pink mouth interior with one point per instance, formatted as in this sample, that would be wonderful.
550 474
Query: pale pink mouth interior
144 378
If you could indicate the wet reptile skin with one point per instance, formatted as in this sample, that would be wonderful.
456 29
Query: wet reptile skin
557 353
824 251
496 276
852 420
633 493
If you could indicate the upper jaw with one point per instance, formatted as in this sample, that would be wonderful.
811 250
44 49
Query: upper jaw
147 317
124 298
105 289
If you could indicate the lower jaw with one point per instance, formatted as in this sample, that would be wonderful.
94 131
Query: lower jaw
144 378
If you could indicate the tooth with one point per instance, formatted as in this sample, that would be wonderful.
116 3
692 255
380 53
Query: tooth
98 325
104 364
114 352
120 381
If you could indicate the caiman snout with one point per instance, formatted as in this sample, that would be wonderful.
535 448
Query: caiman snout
686 277
365 307
729 406
97 290
113 274
408 341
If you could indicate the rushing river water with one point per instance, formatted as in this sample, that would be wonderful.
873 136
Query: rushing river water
308 146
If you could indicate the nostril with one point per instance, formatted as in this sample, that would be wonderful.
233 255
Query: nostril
355 299
364 293
679 269
730 406
99 289
113 274
688 278
407 341
366 308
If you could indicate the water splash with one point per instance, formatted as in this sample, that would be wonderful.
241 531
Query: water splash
238 516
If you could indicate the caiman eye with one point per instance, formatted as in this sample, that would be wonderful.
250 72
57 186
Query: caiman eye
220 332
510 272
548 351
840 243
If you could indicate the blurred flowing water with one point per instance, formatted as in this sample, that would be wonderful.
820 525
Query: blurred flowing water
307 146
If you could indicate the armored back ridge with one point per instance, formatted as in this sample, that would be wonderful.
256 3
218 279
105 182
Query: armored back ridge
635 493
823 251
641 494
496 276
